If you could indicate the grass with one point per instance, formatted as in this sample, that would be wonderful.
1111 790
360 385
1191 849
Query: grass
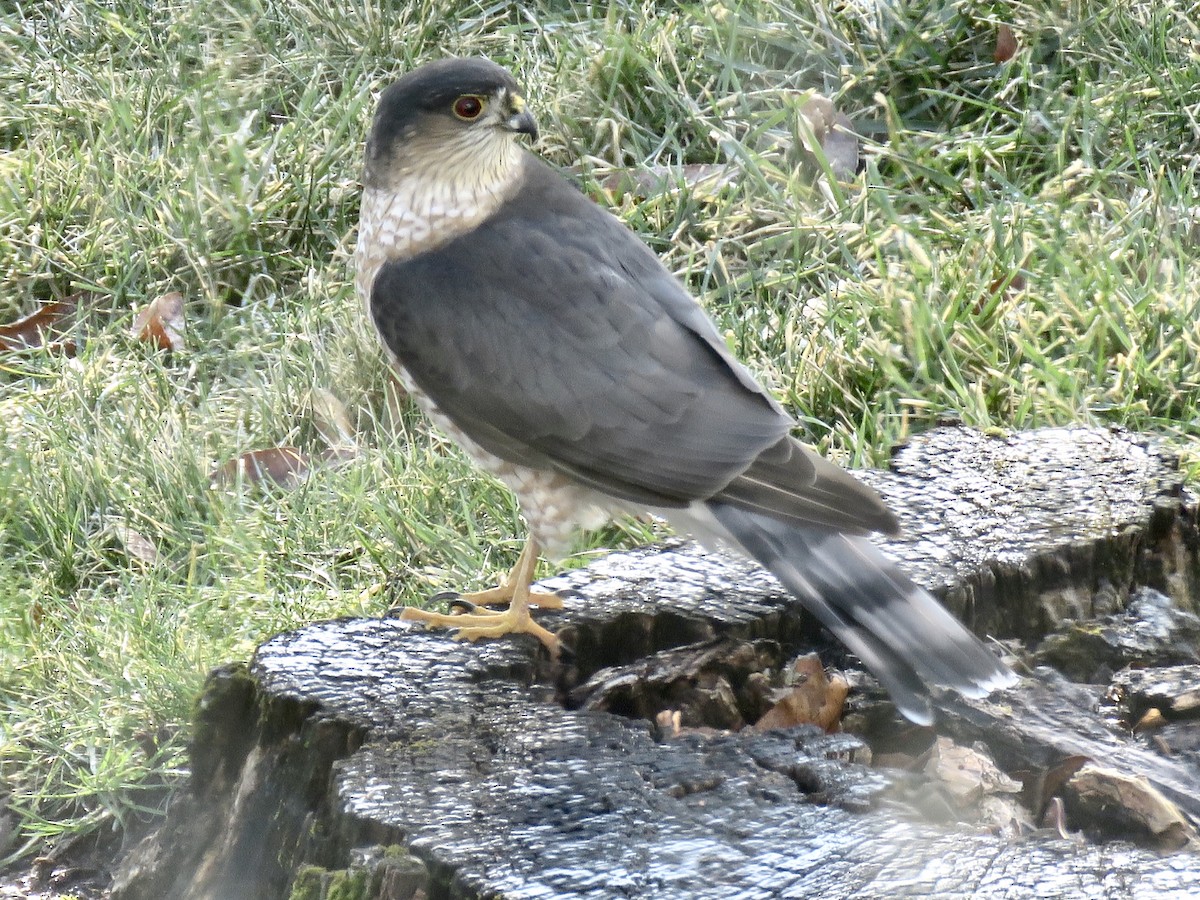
1018 250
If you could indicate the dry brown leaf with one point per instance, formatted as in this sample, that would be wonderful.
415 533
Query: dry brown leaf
330 417
1128 806
48 327
162 322
813 699
1004 288
135 544
670 722
830 133
285 466
1006 44
647 182
1011 284
1043 785
967 774
1152 720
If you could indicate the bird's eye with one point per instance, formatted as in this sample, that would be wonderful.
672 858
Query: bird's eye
468 107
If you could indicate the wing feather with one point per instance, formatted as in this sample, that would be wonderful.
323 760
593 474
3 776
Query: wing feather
554 338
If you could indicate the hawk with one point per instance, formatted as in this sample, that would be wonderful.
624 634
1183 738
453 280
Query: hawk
539 333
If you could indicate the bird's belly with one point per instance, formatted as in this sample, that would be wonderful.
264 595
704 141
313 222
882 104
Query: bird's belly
553 506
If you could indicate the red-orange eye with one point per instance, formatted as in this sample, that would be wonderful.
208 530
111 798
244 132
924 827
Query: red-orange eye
468 107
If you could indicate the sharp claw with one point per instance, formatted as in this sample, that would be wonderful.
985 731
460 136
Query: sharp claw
563 653
470 618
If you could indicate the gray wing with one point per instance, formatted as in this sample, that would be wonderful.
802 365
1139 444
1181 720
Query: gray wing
554 338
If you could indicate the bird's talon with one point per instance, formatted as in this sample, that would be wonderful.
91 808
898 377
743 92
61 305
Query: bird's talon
546 599
459 606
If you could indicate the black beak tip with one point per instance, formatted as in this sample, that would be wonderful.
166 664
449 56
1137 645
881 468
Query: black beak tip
524 123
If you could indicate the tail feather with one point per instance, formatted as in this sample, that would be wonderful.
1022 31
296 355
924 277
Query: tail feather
897 628
788 481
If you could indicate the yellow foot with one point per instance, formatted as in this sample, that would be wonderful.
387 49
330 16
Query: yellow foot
500 596
485 623
473 622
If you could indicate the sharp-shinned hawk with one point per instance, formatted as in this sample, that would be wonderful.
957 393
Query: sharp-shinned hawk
537 331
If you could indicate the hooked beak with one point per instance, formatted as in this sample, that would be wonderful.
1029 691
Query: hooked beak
521 121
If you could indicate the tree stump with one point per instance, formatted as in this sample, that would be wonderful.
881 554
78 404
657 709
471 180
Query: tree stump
366 758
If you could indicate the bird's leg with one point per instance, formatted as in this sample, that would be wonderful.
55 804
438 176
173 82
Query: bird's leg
486 623
502 594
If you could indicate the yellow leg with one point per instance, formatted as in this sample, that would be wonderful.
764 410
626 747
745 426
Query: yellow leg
486 623
502 594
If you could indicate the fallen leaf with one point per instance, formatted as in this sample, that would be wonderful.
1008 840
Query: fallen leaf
1043 785
1005 288
1010 284
669 722
1006 44
1174 691
967 774
1127 806
333 422
1055 817
704 179
48 327
1151 720
285 466
135 544
830 135
962 784
813 698
162 322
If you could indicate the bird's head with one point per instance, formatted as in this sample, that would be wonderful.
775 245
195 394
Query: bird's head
454 119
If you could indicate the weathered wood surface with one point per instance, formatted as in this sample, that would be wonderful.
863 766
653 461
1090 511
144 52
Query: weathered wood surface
368 732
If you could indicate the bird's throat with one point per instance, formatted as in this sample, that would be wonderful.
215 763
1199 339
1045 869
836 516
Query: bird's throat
417 213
